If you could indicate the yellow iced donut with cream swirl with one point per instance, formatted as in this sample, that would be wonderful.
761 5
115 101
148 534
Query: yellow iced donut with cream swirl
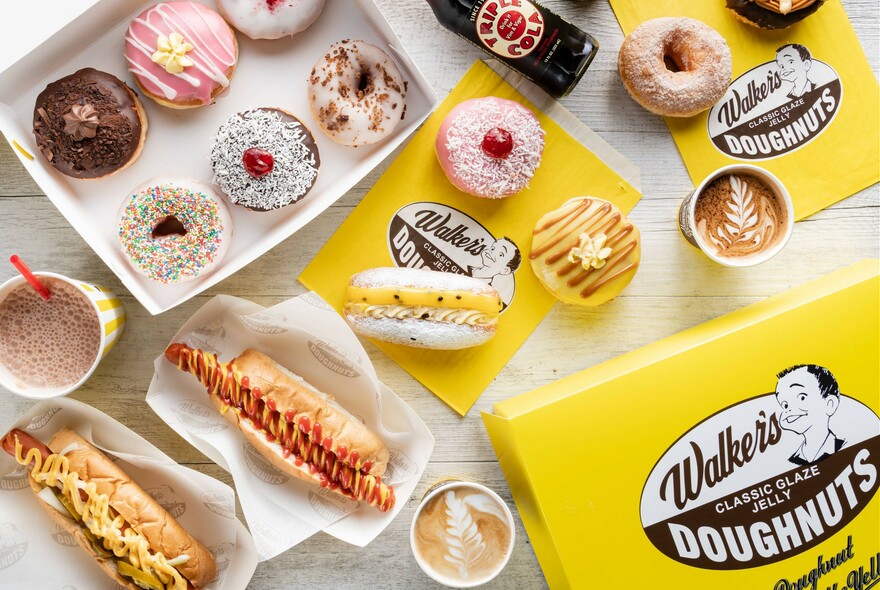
422 308
586 252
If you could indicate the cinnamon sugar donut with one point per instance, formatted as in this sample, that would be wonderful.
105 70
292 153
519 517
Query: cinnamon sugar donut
675 67
356 93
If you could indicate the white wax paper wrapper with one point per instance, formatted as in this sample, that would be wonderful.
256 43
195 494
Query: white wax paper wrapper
308 337
37 553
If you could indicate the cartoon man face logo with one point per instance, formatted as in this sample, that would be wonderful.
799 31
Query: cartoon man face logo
809 396
502 258
794 62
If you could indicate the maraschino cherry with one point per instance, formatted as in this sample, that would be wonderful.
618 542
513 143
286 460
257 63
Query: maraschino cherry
498 143
258 163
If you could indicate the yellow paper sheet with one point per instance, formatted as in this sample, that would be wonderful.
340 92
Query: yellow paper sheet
587 457
840 99
366 239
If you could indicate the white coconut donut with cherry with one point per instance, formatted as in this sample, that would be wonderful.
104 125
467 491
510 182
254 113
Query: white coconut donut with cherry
490 147
270 19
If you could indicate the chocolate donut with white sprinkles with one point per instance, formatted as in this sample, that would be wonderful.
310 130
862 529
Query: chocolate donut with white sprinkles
264 159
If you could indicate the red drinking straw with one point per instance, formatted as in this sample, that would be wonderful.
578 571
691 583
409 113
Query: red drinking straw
29 276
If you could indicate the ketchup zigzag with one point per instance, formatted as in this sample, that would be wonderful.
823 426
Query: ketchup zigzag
341 470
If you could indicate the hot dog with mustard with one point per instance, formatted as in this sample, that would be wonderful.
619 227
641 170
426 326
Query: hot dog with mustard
134 540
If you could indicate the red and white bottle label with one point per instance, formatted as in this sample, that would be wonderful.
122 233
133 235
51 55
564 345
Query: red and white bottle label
510 28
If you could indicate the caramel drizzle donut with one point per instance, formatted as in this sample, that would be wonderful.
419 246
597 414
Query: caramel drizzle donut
559 236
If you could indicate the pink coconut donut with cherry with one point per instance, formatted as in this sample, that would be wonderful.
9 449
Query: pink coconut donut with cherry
490 147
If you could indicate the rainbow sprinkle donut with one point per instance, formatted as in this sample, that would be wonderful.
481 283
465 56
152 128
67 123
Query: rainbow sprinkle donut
174 230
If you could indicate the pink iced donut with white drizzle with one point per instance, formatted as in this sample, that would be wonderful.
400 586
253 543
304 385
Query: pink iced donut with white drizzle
490 147
270 19
181 54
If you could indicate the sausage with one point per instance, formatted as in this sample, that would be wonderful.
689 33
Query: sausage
27 442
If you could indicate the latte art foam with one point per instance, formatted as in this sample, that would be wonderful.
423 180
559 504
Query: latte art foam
48 344
463 535
739 216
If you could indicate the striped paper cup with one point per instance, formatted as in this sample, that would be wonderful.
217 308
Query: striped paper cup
111 316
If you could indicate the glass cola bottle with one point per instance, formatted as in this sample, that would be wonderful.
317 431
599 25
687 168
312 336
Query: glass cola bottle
540 45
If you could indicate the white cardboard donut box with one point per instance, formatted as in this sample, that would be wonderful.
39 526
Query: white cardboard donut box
269 73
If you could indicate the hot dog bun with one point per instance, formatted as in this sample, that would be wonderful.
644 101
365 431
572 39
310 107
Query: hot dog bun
69 525
137 507
107 513
422 308
302 431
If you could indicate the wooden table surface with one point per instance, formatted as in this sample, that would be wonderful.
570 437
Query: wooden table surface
676 288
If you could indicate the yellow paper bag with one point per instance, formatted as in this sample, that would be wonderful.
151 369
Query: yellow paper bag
414 216
704 461
804 103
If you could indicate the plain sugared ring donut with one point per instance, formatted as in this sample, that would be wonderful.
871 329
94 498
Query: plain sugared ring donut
356 93
675 67
174 230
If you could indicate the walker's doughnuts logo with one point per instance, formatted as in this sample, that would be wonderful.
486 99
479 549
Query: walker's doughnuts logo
197 418
765 479
333 357
400 467
510 28
219 503
13 545
265 323
315 300
329 505
222 557
62 536
17 479
262 469
168 499
437 237
40 421
209 338
776 107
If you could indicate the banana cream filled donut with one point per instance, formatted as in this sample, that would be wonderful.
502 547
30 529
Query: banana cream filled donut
356 93
422 308
675 66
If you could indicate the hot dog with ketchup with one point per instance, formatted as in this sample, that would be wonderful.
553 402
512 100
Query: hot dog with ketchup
299 429
134 540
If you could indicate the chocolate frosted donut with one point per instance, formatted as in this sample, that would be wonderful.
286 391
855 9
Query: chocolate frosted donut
773 14
264 159
89 124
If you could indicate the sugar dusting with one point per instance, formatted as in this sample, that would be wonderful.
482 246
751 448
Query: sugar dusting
296 165
48 344
483 174
700 52
421 334
418 278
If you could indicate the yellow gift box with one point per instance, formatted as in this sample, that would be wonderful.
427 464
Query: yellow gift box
414 216
743 453
803 103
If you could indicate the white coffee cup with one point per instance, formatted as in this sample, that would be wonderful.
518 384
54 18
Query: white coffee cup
111 319
488 506
687 222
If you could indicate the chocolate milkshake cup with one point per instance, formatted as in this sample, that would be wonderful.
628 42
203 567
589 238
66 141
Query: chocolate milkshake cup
740 215
462 534
50 348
